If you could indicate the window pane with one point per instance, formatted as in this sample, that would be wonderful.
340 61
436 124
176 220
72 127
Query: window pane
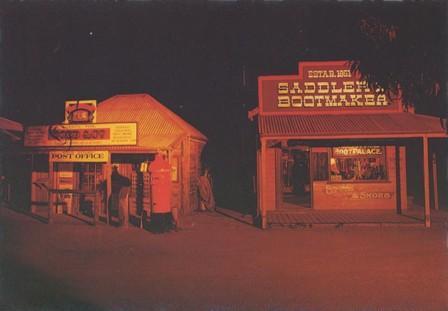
361 164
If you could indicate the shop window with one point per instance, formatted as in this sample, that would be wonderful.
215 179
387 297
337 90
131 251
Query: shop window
89 174
359 163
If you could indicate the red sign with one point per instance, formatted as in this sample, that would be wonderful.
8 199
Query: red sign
83 111
99 134
85 134
321 86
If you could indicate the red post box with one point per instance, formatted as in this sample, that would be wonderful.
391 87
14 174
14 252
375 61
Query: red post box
161 185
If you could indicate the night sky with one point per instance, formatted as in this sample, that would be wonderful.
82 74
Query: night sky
201 60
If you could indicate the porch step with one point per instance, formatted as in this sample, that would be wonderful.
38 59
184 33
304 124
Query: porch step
313 217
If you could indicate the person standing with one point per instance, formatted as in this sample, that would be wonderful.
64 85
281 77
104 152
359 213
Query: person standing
120 189
207 199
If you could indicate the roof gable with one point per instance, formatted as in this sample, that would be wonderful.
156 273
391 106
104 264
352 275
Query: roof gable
156 123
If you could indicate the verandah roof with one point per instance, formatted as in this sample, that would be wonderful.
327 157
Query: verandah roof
402 124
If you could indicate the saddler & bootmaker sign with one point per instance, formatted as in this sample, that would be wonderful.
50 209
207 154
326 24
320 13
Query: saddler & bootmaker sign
324 86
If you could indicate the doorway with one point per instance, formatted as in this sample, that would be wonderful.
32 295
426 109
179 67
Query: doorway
79 187
135 167
296 190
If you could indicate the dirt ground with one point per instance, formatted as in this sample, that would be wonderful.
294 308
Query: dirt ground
219 263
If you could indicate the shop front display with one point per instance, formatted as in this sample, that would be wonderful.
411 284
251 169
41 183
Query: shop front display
329 141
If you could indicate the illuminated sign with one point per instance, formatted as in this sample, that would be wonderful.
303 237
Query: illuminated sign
321 86
83 111
106 134
79 156
357 151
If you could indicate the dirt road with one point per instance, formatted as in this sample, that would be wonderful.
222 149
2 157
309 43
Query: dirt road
217 263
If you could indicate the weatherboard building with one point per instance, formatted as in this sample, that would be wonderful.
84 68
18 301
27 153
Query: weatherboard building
71 162
327 141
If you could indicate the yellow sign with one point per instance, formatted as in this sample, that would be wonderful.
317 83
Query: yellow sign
66 135
79 156
357 151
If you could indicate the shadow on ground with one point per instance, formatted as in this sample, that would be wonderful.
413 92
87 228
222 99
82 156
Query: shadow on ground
24 288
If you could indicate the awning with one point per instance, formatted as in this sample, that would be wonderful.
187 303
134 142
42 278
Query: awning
13 130
390 125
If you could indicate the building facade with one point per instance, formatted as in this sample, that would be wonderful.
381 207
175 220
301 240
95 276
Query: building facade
327 141
71 162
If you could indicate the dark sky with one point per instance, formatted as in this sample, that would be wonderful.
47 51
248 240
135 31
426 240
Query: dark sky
191 57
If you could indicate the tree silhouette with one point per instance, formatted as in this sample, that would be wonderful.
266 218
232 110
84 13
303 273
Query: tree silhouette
402 48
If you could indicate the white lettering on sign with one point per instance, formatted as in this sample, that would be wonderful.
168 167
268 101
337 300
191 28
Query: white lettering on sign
329 94
333 189
372 195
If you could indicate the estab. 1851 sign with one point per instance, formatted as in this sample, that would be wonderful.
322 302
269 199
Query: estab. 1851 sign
321 86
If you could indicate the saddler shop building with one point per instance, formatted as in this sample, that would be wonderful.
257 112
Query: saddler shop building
71 162
329 142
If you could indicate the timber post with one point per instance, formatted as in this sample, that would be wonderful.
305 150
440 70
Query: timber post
426 182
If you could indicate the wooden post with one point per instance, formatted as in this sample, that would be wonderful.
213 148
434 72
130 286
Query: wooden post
434 181
426 182
50 188
403 178
108 184
398 178
262 184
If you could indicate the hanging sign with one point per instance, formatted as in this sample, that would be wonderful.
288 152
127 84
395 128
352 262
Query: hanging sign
321 86
78 156
63 135
82 111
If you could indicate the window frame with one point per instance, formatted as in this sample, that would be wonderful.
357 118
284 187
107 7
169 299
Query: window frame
359 181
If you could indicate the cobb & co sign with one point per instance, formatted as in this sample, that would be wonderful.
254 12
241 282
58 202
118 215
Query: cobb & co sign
320 86
357 151
79 156
62 135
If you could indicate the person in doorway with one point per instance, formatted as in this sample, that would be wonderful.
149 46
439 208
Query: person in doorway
120 189
299 173
207 200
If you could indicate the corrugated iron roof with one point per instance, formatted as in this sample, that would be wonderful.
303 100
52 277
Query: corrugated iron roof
11 129
157 126
349 125
10 125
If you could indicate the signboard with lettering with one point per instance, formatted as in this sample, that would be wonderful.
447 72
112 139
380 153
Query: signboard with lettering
82 111
321 87
78 156
353 151
65 135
